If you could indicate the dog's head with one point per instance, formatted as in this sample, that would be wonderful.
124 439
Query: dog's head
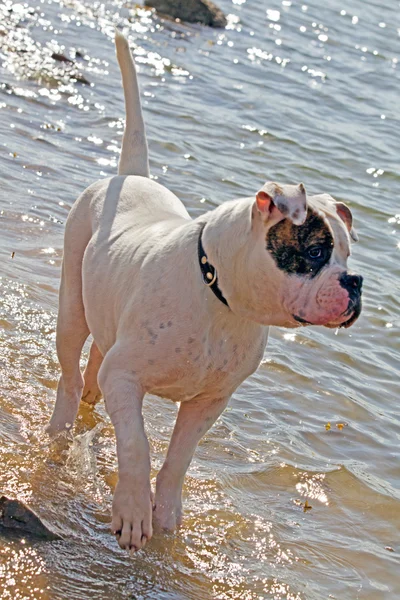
293 269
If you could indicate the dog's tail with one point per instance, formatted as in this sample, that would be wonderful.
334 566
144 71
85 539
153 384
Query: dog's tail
134 158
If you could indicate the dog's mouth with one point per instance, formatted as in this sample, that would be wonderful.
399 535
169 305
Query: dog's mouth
352 312
301 320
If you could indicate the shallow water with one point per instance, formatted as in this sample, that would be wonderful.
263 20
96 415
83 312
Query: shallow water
289 91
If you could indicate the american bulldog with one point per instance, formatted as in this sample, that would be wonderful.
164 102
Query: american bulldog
181 307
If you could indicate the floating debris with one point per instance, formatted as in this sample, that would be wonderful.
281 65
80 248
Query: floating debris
305 504
339 426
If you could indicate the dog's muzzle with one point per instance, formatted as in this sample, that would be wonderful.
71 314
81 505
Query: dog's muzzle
353 286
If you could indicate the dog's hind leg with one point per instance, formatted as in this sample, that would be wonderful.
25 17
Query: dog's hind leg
91 392
72 329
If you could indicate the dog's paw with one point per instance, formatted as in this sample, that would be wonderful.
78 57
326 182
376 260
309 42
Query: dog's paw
132 514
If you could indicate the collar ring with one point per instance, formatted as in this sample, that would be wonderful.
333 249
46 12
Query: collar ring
213 279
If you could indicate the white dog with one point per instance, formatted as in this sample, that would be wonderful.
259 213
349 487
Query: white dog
181 308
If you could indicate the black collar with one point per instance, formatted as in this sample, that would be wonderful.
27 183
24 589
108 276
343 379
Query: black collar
208 271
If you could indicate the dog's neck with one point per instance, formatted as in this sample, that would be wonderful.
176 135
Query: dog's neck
234 243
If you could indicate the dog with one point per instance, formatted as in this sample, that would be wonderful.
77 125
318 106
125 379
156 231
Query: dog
181 307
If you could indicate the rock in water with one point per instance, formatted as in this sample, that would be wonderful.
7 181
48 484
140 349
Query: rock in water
193 11
16 518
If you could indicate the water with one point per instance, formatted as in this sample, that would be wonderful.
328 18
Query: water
288 91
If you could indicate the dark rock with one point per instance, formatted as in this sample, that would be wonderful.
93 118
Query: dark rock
79 78
61 58
192 11
16 518
72 73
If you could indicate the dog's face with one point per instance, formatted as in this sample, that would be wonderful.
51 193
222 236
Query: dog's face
308 243
317 288
290 268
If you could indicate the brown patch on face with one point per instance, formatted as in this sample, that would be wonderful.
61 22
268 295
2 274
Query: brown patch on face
301 249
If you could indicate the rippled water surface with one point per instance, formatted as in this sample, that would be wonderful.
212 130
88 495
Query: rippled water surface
289 91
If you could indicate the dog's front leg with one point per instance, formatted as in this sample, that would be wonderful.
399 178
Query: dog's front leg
195 418
132 505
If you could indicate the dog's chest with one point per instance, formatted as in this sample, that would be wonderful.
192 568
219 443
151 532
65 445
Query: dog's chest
203 363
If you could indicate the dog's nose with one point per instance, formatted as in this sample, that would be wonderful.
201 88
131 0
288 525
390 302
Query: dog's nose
351 283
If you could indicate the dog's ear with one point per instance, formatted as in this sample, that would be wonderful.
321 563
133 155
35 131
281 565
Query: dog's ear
275 202
344 213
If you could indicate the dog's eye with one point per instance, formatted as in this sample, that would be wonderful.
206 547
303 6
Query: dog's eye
315 252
